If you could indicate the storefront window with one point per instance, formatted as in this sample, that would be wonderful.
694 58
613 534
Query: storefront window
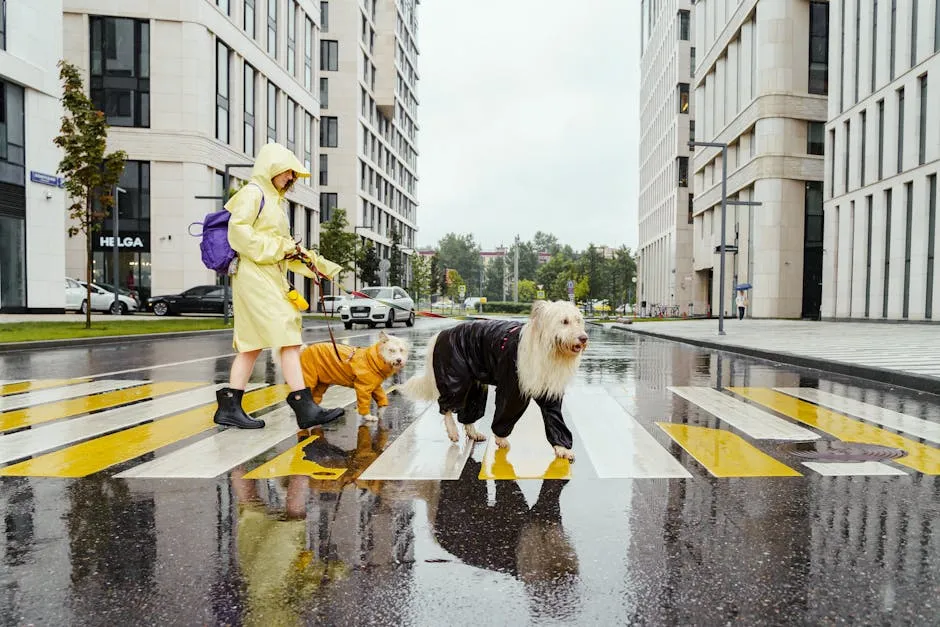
12 262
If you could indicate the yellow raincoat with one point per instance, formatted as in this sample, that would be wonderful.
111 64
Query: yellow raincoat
264 317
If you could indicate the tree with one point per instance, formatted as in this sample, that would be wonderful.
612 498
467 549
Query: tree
545 243
396 269
337 244
582 289
528 260
420 276
89 173
558 267
369 265
461 253
494 277
435 269
527 290
454 281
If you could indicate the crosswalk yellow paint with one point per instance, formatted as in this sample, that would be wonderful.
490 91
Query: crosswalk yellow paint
921 457
725 454
96 455
293 462
39 384
529 455
29 416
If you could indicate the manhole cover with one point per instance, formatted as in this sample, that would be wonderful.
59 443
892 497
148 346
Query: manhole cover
841 451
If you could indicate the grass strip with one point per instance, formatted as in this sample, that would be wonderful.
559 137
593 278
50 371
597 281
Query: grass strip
51 330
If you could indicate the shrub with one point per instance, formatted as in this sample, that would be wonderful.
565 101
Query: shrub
507 307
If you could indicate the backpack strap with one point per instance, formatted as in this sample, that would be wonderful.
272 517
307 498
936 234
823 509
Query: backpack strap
261 208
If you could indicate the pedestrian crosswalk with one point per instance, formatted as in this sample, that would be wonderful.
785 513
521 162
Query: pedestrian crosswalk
78 427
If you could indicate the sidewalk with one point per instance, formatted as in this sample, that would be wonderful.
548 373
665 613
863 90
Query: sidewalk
907 355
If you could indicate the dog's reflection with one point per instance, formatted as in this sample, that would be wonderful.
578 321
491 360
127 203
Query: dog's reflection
509 536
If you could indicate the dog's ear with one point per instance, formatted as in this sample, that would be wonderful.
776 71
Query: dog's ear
383 336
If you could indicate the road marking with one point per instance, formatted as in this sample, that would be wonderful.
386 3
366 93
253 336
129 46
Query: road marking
422 451
31 416
839 469
38 384
617 445
725 454
920 457
60 394
529 455
293 462
911 425
96 455
213 456
31 442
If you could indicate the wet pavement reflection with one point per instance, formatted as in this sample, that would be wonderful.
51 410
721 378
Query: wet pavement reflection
262 546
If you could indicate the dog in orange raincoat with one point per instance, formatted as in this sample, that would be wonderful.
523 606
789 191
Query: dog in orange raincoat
361 368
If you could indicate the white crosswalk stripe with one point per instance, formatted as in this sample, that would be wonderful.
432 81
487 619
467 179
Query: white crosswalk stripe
9 403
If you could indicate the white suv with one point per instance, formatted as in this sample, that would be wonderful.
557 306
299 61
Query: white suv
374 310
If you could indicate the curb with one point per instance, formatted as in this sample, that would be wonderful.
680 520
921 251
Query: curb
916 382
19 347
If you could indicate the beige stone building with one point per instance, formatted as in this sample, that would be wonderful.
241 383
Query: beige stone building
760 86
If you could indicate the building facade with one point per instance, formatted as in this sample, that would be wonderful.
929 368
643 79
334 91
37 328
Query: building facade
760 86
664 264
881 227
32 271
368 99
189 87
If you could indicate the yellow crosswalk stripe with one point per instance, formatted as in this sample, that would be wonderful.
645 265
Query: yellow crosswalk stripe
920 457
39 384
529 455
292 462
30 416
725 454
96 455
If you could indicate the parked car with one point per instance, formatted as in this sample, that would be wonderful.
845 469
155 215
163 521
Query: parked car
122 291
331 304
359 310
200 299
76 297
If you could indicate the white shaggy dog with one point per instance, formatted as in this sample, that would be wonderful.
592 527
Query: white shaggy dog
531 361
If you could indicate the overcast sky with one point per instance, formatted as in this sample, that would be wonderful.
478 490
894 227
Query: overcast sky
528 113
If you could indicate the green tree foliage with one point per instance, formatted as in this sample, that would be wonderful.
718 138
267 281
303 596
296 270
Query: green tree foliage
435 269
397 267
90 173
337 244
545 243
527 290
528 260
494 276
454 281
461 253
421 276
369 265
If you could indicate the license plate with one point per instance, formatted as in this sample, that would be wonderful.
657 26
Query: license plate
360 315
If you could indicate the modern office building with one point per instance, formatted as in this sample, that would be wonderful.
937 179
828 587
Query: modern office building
368 103
881 228
189 86
664 263
760 87
32 266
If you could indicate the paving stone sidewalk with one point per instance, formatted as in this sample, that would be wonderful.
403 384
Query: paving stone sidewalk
896 353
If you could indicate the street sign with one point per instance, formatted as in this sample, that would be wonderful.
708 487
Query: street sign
540 294
571 297
570 285
384 265
462 290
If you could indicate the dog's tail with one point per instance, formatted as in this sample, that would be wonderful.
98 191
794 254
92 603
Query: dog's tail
423 387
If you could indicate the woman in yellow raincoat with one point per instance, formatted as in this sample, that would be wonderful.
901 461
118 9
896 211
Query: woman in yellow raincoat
264 316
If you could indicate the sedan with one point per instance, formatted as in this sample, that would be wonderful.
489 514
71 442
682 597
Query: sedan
76 297
204 299
383 305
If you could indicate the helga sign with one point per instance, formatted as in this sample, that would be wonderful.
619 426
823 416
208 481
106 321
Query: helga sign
126 242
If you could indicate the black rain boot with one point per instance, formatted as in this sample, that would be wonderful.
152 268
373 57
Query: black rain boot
308 413
230 412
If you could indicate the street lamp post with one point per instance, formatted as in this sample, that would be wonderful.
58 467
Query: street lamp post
356 258
115 217
633 279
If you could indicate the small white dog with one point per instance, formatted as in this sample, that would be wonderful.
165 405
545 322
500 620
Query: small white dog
535 360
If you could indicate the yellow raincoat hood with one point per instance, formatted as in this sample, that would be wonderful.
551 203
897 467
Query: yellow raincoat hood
272 160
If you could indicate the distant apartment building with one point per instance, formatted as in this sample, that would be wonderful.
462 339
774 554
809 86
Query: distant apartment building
369 127
664 264
881 228
760 86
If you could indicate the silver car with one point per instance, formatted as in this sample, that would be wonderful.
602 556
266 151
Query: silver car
386 305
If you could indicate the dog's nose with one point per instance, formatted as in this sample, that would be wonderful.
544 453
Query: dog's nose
583 338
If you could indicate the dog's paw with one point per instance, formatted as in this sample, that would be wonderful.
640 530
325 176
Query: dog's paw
370 418
564 453
451 427
473 434
502 442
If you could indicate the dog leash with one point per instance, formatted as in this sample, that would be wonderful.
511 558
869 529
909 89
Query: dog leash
299 255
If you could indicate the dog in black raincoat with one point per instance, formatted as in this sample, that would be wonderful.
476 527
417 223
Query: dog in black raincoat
531 361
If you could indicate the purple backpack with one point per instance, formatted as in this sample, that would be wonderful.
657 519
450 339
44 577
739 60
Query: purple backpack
217 253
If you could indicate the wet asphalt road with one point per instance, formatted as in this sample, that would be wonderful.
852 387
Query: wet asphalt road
859 550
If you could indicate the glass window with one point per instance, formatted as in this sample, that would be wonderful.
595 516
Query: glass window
936 25
249 99
815 134
683 97
291 36
3 24
894 30
819 48
922 149
120 70
249 16
329 55
291 123
325 17
900 130
272 28
308 147
272 112
329 132
12 134
881 138
691 130
691 207
931 239
324 93
683 168
324 169
874 46
863 139
222 79
684 25
813 227
328 203
225 5
308 54
12 262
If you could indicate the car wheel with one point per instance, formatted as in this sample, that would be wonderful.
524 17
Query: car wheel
410 322
348 325
231 310
391 319
84 308
160 309
119 309
372 325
